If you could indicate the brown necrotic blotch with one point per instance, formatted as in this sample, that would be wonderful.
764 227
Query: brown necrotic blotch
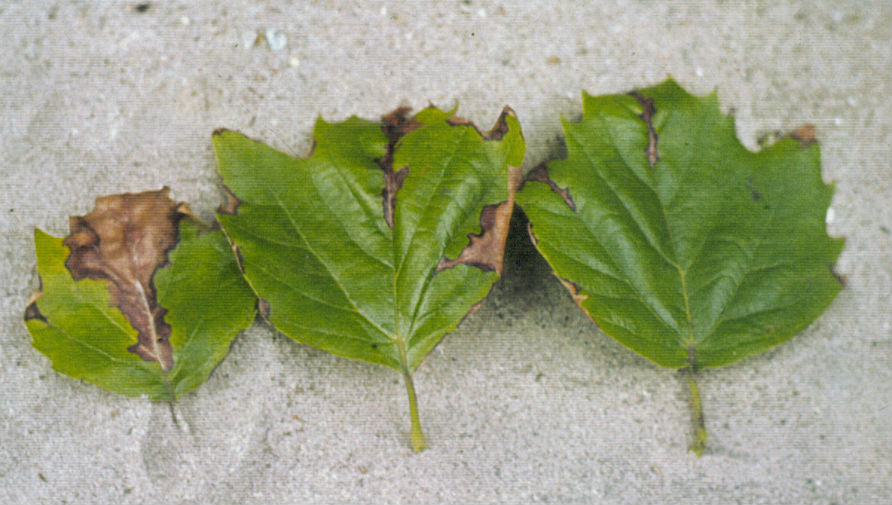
540 174
486 249
124 241
395 125
647 115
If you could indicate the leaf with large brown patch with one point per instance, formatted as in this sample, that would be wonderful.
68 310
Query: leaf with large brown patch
140 298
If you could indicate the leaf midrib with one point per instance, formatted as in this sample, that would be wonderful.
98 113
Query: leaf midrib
402 341
691 342
634 288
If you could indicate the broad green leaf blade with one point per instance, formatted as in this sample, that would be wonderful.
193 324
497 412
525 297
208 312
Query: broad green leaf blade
713 254
74 323
380 242
679 242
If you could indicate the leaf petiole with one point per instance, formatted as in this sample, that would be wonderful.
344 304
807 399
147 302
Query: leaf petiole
699 442
419 443
171 401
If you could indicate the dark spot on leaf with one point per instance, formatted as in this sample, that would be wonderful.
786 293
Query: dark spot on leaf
532 235
754 193
374 346
393 181
232 203
647 114
574 289
32 312
805 135
540 174
496 133
397 124
884 229
239 259
142 7
840 277
263 307
394 125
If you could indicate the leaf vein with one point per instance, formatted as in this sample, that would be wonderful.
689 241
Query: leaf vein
325 265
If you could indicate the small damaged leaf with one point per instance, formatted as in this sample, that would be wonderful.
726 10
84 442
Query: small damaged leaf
379 243
679 242
134 282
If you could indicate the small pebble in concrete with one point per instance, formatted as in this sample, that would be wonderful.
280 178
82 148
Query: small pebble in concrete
248 38
276 39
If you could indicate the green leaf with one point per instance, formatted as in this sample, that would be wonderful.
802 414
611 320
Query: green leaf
88 328
675 239
380 242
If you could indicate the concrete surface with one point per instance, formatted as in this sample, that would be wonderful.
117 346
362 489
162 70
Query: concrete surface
528 402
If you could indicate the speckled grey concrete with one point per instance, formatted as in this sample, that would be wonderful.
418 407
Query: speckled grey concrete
528 401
